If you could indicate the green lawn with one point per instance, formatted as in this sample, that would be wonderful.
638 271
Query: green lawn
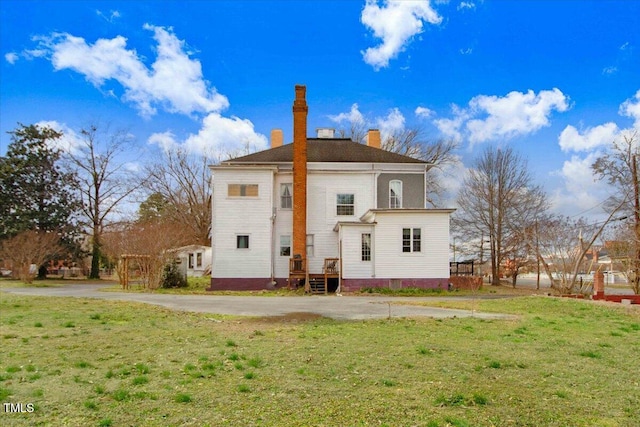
99 363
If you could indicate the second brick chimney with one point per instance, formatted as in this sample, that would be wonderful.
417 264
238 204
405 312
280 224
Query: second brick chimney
277 138
300 110
373 138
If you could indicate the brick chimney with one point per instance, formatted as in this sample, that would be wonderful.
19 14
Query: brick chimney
300 110
373 138
277 138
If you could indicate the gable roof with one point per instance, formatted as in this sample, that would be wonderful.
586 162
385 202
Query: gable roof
327 150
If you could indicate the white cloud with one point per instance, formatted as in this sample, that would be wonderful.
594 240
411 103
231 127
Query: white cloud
70 140
424 112
113 14
631 108
353 116
392 122
491 117
219 136
452 127
466 5
572 140
581 192
11 57
174 81
396 22
610 70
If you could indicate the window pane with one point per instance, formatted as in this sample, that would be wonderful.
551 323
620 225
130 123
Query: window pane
345 199
345 210
251 190
242 242
286 201
345 204
406 240
190 260
366 247
285 245
242 190
309 245
416 239
199 259
395 194
233 190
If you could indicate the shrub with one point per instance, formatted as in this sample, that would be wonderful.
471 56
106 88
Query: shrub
172 276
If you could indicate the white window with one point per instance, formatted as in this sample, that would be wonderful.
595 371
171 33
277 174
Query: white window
199 259
190 260
366 247
395 194
345 204
309 245
411 240
285 245
286 199
242 190
242 241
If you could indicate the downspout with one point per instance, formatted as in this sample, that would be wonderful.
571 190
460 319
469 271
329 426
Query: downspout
274 211
273 246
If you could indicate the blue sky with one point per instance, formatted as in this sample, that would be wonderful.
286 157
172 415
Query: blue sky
557 80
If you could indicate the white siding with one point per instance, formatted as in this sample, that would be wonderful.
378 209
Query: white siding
431 262
283 225
352 265
323 188
234 216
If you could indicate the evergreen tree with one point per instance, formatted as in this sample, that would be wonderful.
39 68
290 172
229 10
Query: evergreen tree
36 193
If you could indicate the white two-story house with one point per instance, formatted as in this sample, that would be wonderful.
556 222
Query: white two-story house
326 209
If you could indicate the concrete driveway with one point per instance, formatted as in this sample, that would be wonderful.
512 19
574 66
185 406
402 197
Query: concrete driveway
335 307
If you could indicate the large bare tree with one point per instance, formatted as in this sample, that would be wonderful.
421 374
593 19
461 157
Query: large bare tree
182 180
619 167
498 200
103 181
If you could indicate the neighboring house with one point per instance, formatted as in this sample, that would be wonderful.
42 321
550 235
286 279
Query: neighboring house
326 210
195 259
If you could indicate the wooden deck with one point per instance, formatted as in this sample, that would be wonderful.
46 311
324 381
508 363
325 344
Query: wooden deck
315 283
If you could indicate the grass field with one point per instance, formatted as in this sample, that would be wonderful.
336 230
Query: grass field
100 363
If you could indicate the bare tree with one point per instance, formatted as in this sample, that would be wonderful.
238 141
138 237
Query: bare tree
148 244
620 168
29 250
490 200
182 179
103 182
622 252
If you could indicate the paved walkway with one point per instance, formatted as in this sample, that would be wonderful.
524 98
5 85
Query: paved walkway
336 307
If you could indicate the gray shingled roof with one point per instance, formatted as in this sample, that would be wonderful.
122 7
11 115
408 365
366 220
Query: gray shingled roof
327 150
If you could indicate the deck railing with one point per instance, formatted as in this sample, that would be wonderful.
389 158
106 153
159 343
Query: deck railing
297 265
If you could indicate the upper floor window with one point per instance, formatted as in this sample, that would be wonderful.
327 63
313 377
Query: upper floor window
395 194
411 240
345 204
286 199
242 190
